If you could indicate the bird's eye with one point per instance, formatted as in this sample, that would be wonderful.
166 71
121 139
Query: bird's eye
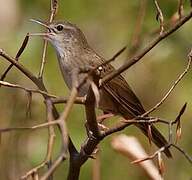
59 27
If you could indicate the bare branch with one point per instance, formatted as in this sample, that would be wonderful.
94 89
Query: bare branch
54 166
159 16
180 10
54 7
7 84
136 38
138 57
113 58
172 87
22 48
77 159
78 100
189 158
39 126
64 133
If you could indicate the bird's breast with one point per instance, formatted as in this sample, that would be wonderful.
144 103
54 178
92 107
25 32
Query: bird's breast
67 67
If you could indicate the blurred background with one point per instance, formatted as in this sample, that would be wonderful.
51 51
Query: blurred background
108 26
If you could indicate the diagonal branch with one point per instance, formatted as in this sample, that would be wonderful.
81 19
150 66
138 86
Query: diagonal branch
172 87
151 45
159 16
22 48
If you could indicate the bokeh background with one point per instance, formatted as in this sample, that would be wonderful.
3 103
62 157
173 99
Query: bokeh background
108 25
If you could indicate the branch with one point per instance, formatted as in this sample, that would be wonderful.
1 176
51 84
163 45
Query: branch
94 135
62 124
159 16
78 100
136 38
23 69
41 86
54 8
138 57
21 49
172 87
7 84
180 10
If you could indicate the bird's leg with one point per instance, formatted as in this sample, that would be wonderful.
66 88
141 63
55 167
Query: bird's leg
101 118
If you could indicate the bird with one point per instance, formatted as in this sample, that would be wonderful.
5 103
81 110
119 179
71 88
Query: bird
116 96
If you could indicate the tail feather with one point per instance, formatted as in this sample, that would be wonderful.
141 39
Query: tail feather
157 137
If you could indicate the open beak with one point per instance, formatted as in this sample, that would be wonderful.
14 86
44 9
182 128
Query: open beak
45 34
40 22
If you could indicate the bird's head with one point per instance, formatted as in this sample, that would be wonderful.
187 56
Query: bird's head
62 35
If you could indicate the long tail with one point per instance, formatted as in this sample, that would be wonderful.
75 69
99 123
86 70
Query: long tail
157 137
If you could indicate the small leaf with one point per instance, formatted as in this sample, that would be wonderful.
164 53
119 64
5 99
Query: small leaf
149 133
96 93
178 132
161 165
177 120
23 46
157 17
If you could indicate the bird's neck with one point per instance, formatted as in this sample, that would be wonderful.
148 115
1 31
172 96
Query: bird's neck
70 48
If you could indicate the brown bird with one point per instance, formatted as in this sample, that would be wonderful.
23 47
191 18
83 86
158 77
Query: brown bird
116 96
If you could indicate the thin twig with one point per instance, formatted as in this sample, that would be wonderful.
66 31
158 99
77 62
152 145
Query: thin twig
78 100
159 16
52 135
54 166
7 84
188 157
21 49
136 37
180 10
172 87
169 144
92 142
90 69
62 125
151 45
141 119
41 86
155 154
54 7
33 171
113 58
39 126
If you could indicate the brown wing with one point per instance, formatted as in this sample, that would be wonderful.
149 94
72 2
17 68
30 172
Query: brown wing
118 98
129 106
126 101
